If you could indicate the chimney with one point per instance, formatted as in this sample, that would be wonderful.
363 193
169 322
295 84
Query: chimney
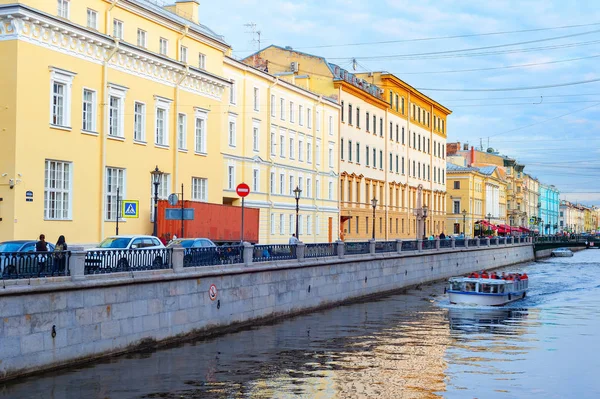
472 156
188 9
452 148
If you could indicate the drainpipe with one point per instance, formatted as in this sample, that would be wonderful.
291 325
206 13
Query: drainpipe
107 20
105 126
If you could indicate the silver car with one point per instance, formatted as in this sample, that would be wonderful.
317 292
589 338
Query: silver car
122 253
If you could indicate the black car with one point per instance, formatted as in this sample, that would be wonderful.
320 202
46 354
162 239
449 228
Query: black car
18 258
203 252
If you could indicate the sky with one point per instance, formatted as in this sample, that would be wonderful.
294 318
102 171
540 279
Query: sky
552 130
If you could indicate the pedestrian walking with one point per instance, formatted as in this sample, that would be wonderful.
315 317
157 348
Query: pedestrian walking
60 259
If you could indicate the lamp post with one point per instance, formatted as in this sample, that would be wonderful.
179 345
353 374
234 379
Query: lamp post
489 218
297 192
425 209
464 212
156 177
374 205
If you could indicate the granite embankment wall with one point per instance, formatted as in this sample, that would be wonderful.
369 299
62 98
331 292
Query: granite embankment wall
60 321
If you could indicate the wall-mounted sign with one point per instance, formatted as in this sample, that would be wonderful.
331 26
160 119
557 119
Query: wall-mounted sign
130 209
29 196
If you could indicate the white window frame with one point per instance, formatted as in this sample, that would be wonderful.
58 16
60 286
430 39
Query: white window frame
256 136
200 131
282 108
163 46
300 150
139 129
58 190
309 153
309 118
88 111
273 142
292 112
142 38
64 8
202 61
181 131
282 144
163 104
118 92
300 115
232 130
281 224
331 155
330 191
183 54
318 153
273 106
256 99
110 196
92 18
256 180
64 79
317 188
272 188
230 177
118 28
282 183
272 223
308 187
233 93
330 125
318 122
200 189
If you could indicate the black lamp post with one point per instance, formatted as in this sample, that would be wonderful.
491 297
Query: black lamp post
374 205
489 217
297 192
425 209
156 177
464 212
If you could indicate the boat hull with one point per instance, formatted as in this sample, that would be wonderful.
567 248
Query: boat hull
562 254
483 299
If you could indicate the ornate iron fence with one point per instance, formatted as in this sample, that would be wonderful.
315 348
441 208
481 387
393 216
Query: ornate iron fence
502 240
409 246
16 265
225 255
472 242
460 242
123 260
445 243
266 253
385 246
428 244
320 250
493 241
356 248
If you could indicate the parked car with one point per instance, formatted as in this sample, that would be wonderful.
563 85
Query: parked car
118 252
204 252
19 257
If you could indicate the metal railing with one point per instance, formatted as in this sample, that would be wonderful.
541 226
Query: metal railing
428 244
356 248
17 265
385 246
320 250
446 243
225 255
472 242
124 260
502 240
493 241
459 243
409 246
266 253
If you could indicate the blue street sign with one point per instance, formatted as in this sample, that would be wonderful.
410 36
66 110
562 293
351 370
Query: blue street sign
130 209
175 214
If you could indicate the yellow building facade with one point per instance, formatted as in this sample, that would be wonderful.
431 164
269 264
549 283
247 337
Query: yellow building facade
94 95
391 146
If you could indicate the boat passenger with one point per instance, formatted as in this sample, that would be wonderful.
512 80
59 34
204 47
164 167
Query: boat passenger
525 276
473 275
503 276
494 276
484 274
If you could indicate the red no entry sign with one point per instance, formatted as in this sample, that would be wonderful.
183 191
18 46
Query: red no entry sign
212 292
242 190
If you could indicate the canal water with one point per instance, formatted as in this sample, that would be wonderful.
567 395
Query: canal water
414 345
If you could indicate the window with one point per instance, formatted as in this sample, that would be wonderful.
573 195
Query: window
139 121
200 132
141 38
272 183
397 164
309 152
367 156
380 127
391 131
199 189
92 19
282 109
115 179
181 131
202 61
419 167
457 185
292 112
282 146
374 158
330 191
349 150
163 46
255 137
233 92
63 8
164 187
230 177
349 114
308 188
162 121
342 111
300 115
358 117
391 165
330 156
368 121
183 52
232 131
317 189
456 207
60 103
256 99
402 134
374 124
292 226
57 190
273 105
331 125
273 144
291 186
118 29
402 165
419 142
89 110
309 118
281 183
381 159
318 153
357 153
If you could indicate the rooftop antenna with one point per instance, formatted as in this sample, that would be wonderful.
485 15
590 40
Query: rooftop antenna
255 34
481 144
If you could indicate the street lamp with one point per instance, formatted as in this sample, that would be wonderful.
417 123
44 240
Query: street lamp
374 205
464 212
489 217
156 177
297 192
425 209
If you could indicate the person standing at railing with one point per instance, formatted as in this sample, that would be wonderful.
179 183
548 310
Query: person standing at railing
41 246
293 242
59 255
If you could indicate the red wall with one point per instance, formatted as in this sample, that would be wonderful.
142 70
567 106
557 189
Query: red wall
214 221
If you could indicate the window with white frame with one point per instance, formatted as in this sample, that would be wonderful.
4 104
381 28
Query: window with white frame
272 187
317 189
164 187
255 180
273 143
255 136
308 188
300 225
233 93
92 19
199 189
202 61
272 222
163 46
139 121
300 150
230 177
115 180
318 118
300 115
282 145
309 224
232 130
318 153
200 132
282 183
57 190
291 148
63 8
116 111
282 109
162 108
118 29
292 224
183 54
281 224
89 110
317 225
141 38
309 118
330 191
291 186
273 105
330 126
60 103
330 156
292 112
256 99
181 131
309 152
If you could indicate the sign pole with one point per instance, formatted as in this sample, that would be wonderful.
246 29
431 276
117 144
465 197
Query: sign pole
242 190
118 211
182 207
242 240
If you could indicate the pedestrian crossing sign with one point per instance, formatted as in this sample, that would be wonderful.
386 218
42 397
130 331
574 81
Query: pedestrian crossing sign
130 209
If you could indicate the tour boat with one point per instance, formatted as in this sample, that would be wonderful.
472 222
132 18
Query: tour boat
486 291
561 252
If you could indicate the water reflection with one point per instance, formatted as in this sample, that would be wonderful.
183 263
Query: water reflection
485 320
